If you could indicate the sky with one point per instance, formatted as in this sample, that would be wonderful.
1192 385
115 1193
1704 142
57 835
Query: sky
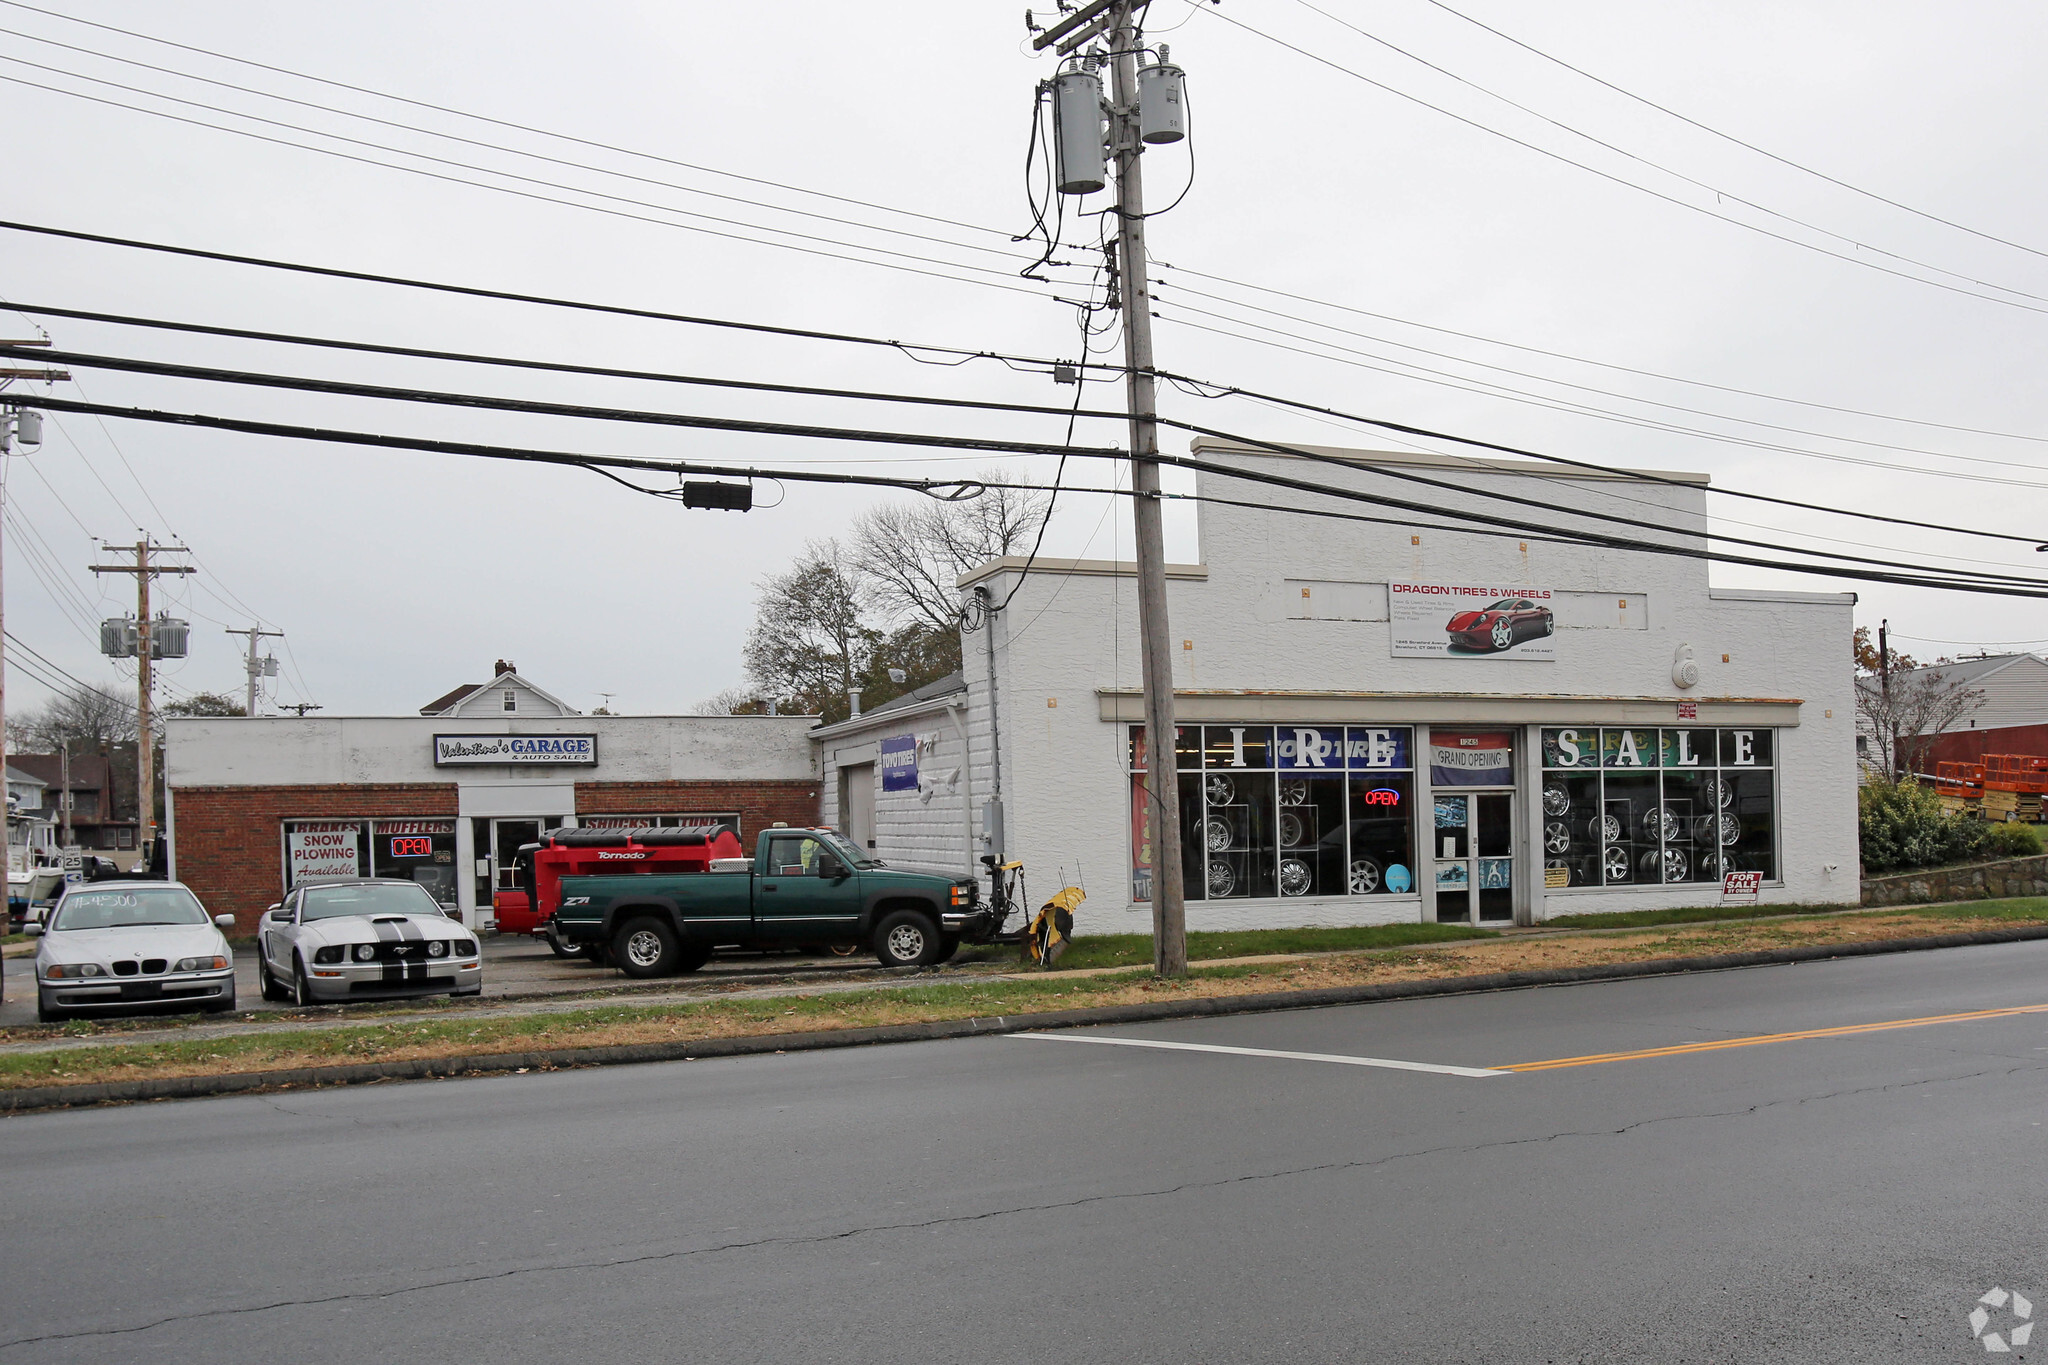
1451 238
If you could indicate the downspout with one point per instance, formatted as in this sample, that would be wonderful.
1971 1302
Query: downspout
959 720
994 825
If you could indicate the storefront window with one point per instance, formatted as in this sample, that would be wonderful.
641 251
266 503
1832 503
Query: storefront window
422 851
1629 806
325 848
1285 811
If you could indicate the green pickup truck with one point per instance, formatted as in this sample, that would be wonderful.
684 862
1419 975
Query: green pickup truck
802 888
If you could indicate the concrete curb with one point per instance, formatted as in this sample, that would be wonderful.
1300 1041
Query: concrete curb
30 1098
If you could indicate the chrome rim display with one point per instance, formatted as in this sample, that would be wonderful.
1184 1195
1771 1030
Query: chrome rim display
1294 791
1222 791
1295 877
1292 830
1674 865
1556 800
1557 837
1365 877
1222 881
1614 862
1610 829
1216 834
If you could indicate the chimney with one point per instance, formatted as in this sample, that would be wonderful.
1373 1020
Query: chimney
504 666
853 699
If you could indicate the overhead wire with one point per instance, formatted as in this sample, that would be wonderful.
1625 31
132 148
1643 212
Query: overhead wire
1739 142
2015 302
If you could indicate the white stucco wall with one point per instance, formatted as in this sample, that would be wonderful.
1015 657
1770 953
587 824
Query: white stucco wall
933 828
1067 662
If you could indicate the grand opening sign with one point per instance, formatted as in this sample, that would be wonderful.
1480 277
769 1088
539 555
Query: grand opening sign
451 751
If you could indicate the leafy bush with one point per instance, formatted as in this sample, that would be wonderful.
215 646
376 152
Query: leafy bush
2012 840
1902 824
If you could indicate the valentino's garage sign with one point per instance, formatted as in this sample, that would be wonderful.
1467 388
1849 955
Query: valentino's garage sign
1468 621
522 750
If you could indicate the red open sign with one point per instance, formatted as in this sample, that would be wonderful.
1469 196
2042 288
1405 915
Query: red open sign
1382 796
412 848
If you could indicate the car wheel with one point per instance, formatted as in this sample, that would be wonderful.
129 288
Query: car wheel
1297 878
267 985
302 984
559 946
646 947
692 956
1549 624
906 938
473 990
599 953
1365 877
842 949
949 944
1502 634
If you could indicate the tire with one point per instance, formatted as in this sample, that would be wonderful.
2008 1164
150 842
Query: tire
268 986
473 990
226 1006
559 946
691 956
49 1014
907 938
599 953
1549 624
842 949
302 984
949 944
646 947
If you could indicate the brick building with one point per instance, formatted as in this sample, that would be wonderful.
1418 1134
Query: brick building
445 799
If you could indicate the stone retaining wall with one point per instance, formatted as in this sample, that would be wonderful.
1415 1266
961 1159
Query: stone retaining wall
1976 881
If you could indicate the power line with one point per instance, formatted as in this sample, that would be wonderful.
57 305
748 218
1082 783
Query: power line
551 199
1630 184
1715 190
557 367
482 118
456 137
1586 388
1597 364
1748 146
599 463
509 296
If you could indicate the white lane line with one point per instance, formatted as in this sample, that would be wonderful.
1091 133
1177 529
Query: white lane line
1389 1063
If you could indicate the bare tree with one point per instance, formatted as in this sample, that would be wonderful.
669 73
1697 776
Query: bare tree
90 717
810 644
1902 712
733 701
909 555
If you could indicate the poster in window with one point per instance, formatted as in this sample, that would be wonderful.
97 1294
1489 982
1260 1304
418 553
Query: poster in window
1480 758
1466 621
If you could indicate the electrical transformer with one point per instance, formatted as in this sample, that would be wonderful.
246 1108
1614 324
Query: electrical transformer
28 426
1077 132
169 639
118 637
1162 104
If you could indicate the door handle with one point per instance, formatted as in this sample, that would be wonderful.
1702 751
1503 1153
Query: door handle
771 888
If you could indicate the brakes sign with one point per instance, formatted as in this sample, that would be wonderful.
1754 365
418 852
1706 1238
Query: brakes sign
1741 886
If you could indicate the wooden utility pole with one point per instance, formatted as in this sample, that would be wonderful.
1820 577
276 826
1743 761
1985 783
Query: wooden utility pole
145 745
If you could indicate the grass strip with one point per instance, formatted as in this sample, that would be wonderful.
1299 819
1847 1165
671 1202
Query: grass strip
1135 950
624 1023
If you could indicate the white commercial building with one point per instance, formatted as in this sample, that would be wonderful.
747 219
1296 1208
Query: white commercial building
1386 722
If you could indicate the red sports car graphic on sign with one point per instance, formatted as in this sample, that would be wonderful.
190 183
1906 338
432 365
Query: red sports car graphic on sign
1500 625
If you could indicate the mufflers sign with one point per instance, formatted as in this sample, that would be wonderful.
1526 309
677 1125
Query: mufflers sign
521 750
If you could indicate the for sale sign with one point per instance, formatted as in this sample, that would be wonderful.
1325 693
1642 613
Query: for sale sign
1740 888
323 848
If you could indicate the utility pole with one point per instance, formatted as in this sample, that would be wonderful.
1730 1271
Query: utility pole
145 745
301 707
27 426
65 768
255 667
1169 907
1884 673
1145 105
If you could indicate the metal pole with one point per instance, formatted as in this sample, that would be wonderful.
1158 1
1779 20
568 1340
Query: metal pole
145 756
66 770
1884 673
1169 910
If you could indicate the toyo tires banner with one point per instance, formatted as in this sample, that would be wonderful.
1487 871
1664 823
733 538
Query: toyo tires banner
1470 621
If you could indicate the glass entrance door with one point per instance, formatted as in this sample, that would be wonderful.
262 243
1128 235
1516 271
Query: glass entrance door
1474 857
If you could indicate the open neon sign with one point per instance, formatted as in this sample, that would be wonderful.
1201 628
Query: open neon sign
412 848
1382 796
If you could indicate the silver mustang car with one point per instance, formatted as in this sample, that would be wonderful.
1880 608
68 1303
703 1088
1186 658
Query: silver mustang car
111 946
371 938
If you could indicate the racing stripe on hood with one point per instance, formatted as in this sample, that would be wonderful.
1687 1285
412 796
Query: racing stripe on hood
388 931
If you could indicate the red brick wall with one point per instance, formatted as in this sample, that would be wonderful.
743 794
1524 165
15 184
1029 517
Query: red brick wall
760 804
230 842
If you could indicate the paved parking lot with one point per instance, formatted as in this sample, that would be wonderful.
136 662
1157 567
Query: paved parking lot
513 968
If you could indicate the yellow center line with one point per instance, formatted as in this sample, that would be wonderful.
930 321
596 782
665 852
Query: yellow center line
1758 1040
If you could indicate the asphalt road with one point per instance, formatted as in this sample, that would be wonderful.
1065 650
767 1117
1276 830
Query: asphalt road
1845 1197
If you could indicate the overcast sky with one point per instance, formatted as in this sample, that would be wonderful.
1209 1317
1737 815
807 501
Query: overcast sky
396 576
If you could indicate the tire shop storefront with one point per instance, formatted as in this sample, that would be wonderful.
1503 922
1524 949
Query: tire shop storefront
255 804
1387 723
